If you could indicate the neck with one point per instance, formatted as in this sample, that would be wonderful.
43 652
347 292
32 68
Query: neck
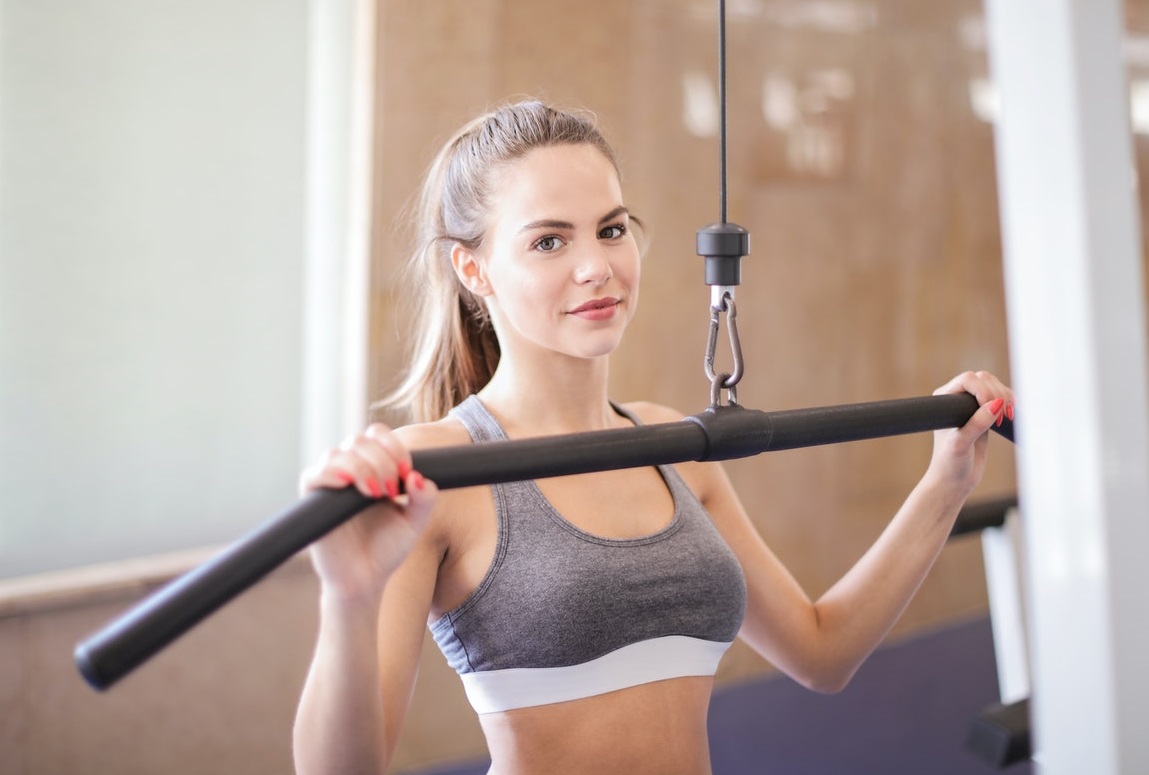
560 395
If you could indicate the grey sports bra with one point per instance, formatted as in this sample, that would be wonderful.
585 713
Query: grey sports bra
562 614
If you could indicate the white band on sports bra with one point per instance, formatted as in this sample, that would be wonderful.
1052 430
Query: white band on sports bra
674 656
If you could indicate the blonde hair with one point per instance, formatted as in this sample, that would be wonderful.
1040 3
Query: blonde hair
454 349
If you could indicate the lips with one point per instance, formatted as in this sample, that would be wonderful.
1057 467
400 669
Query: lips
596 304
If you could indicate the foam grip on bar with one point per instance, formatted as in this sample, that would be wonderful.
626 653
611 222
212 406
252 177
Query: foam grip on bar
172 610
1000 734
975 517
733 432
718 434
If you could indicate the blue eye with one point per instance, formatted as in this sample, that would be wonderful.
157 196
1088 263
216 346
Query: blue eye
612 232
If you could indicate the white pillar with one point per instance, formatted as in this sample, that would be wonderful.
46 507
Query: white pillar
999 549
340 105
1077 337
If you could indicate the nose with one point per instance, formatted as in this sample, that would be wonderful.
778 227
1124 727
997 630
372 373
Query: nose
593 267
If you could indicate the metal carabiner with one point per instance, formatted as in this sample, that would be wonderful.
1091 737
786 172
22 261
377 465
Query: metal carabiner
716 387
728 381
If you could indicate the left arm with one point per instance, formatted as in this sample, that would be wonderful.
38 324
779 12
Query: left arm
822 643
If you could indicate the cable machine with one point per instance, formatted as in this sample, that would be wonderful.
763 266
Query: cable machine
721 432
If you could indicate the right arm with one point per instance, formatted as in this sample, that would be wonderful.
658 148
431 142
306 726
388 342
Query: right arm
377 576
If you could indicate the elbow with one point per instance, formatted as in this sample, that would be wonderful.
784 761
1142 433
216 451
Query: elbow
826 678
827 685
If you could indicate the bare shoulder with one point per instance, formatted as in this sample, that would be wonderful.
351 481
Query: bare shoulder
651 413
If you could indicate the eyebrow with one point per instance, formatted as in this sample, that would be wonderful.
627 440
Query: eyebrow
548 223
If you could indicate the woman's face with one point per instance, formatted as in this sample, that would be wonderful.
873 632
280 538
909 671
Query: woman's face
559 268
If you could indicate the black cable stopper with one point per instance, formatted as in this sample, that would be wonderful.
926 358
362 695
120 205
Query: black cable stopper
723 245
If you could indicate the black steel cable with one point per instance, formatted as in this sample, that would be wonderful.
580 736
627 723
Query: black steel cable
722 111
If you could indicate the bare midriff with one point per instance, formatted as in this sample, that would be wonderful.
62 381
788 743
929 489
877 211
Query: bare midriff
652 729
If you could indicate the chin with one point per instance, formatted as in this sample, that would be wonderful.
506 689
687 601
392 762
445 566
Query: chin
601 350
590 345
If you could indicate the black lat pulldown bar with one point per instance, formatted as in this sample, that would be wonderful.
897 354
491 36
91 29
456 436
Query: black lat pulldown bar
720 433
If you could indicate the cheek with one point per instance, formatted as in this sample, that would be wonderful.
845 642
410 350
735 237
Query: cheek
541 282
527 289
631 270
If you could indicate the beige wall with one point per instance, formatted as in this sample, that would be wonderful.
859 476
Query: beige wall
874 274
221 699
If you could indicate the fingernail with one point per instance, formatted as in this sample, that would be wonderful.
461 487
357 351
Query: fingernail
392 489
995 405
1009 411
417 481
1000 420
345 477
373 488
404 469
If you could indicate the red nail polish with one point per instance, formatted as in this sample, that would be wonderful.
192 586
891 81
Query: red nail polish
404 469
418 482
392 489
345 477
1009 411
1000 420
373 488
995 405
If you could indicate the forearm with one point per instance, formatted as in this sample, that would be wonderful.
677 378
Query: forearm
339 726
856 613
821 644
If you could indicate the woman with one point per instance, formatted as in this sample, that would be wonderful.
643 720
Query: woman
586 614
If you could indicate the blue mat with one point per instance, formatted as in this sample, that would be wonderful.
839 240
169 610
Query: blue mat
906 712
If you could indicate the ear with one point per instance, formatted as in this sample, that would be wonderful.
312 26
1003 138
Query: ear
469 269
